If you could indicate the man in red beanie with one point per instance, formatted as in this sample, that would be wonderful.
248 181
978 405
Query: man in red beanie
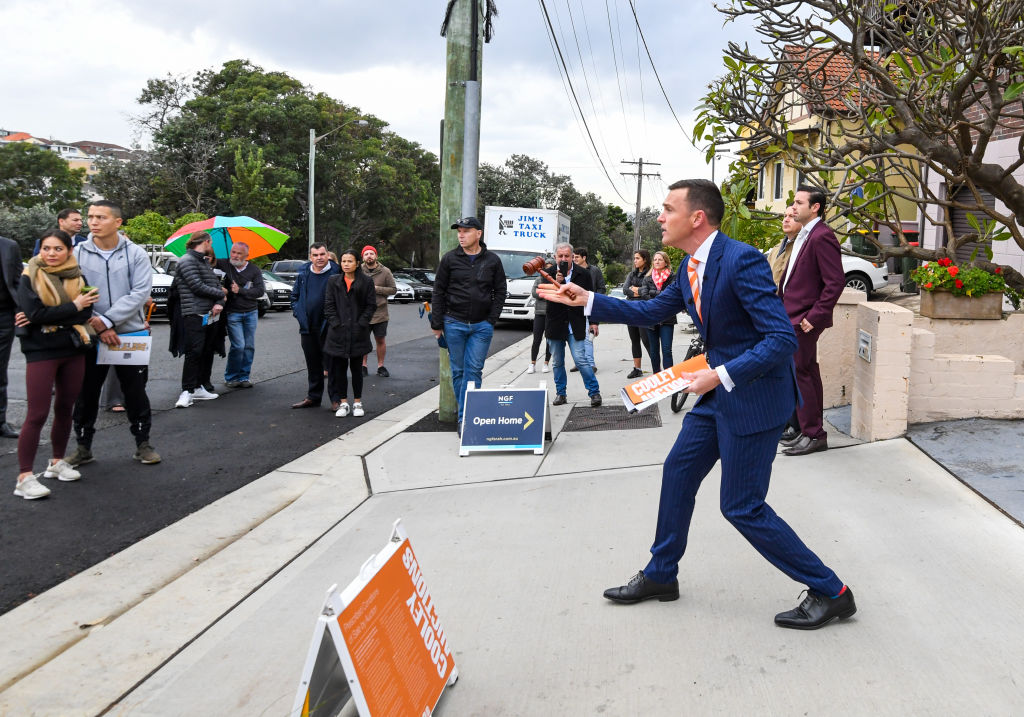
384 283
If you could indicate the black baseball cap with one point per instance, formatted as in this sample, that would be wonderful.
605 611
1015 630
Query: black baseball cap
468 223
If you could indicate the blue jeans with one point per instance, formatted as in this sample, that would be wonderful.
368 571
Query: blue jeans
242 334
579 357
661 336
588 347
467 350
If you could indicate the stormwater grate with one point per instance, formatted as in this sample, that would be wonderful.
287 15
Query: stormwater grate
611 418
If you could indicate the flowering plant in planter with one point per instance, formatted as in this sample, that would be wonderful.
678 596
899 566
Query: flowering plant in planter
944 275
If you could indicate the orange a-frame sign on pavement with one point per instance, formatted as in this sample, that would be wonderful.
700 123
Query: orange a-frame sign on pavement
389 645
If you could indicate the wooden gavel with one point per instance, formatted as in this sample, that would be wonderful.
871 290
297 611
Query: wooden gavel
536 266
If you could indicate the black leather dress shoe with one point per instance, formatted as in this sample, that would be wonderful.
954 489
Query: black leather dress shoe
817 610
639 588
789 434
807 445
7 430
559 401
306 403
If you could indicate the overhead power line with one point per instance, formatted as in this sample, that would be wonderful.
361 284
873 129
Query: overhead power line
575 98
657 76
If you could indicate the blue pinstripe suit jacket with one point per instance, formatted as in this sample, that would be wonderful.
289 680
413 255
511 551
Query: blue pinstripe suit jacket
745 328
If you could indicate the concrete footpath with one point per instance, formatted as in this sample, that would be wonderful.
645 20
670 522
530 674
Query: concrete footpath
214 614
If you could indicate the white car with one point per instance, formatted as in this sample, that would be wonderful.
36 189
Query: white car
404 295
864 275
161 289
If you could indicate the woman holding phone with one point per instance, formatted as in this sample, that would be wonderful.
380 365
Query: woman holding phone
57 305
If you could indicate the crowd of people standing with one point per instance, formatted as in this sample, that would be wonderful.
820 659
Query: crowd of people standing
79 292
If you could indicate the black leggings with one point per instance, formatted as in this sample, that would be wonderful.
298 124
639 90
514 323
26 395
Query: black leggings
40 379
337 380
637 336
539 323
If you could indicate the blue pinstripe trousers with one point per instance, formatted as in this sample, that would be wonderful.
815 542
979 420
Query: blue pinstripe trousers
746 470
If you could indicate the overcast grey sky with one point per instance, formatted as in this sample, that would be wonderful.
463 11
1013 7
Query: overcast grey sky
75 67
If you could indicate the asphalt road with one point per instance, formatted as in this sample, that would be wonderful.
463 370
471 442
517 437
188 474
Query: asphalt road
208 450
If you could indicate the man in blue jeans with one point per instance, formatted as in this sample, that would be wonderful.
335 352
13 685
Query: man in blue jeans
569 325
244 282
469 291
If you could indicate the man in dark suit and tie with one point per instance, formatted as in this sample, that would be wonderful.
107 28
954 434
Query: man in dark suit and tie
568 325
745 399
810 287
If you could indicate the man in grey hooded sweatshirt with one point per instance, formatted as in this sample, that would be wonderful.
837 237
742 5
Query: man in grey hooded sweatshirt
124 276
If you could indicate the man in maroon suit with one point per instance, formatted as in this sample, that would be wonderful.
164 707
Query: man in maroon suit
809 289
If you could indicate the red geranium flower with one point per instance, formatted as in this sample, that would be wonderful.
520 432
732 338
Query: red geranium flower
945 262
953 271
999 270
928 285
959 284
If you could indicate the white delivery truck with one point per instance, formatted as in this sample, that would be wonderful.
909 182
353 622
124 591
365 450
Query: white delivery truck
517 235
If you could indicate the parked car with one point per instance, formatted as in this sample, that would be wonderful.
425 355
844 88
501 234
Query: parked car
160 291
287 269
404 294
419 273
864 275
279 292
422 291
617 293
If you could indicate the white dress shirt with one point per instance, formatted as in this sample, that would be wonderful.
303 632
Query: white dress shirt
798 244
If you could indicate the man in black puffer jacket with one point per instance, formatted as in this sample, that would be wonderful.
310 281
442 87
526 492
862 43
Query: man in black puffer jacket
202 299
469 291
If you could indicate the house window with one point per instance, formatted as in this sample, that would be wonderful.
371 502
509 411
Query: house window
778 180
761 181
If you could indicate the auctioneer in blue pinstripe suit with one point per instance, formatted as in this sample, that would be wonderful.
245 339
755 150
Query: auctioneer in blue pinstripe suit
745 401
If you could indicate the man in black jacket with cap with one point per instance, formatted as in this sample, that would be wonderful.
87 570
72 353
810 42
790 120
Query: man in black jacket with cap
469 291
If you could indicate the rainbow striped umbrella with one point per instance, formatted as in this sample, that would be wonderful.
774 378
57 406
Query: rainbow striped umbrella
262 239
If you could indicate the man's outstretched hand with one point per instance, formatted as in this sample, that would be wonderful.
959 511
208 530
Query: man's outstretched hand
560 294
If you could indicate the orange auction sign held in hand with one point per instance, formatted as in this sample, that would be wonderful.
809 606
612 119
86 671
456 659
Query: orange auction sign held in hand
379 641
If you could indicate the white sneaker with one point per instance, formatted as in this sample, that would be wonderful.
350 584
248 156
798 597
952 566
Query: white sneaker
546 368
184 400
30 489
61 470
532 369
357 409
201 394
342 410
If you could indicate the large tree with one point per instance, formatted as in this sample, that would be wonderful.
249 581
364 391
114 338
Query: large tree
909 95
235 140
32 176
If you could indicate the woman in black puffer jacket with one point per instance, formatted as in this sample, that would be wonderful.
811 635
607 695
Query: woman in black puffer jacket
202 298
631 288
349 303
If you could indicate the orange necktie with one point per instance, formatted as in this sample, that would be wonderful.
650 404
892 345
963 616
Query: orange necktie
691 271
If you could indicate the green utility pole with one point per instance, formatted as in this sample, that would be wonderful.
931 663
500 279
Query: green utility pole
460 145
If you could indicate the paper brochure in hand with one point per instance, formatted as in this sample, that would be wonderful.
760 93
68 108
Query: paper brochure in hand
650 389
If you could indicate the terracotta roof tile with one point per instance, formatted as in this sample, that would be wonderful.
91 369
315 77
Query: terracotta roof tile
836 87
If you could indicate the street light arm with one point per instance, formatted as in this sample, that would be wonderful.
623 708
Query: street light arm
358 122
